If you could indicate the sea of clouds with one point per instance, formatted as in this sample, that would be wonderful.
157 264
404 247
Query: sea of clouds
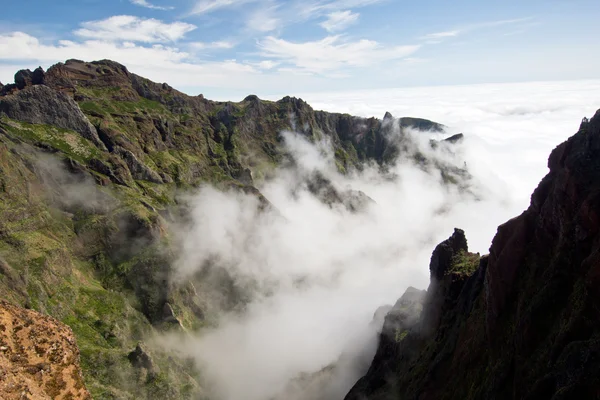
318 273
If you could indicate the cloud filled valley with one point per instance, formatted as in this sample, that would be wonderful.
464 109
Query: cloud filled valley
313 274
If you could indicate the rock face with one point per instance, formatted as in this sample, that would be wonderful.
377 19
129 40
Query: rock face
39 358
41 105
524 323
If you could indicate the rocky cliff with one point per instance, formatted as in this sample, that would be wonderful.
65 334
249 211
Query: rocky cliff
521 323
93 160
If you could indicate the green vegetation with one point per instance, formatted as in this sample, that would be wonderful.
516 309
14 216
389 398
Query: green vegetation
68 142
464 263
400 335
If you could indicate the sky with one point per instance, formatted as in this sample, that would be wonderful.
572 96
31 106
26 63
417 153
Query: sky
226 49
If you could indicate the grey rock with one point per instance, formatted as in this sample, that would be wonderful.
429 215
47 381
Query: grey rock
41 105
454 138
138 169
37 76
23 78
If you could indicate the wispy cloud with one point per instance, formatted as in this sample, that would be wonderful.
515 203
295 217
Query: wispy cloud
212 45
146 4
339 20
331 54
321 7
441 35
131 28
208 6
264 19
436 37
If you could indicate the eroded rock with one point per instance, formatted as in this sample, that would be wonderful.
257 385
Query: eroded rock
39 358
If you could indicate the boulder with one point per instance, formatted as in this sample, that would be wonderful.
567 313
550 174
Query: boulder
23 78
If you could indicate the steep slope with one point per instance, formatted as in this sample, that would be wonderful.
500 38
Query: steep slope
521 323
93 160
39 358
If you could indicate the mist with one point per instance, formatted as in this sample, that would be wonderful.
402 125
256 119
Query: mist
313 274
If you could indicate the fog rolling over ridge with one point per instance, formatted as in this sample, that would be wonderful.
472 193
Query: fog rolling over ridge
313 274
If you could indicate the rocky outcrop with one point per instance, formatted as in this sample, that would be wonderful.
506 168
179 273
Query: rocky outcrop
42 105
39 358
524 323
138 169
25 78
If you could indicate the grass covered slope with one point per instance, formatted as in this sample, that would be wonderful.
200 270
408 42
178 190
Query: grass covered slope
92 161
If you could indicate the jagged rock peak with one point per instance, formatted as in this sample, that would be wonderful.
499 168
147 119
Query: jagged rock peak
388 116
293 100
441 259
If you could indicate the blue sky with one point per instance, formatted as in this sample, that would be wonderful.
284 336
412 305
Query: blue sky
229 48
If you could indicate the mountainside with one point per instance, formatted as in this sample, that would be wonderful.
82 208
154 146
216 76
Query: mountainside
520 323
93 164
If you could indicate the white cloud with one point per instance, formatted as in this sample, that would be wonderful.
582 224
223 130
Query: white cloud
264 20
146 4
265 64
128 27
332 54
441 35
222 44
339 20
